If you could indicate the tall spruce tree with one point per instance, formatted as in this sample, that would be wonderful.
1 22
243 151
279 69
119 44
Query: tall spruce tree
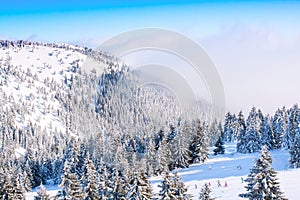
266 132
75 190
198 146
250 141
295 149
220 149
241 135
262 180
42 194
167 187
293 123
91 189
278 126
139 187
180 190
205 193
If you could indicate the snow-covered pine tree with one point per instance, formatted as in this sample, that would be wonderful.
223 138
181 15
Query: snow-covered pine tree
167 187
81 156
10 183
35 168
262 180
152 158
293 122
181 154
2 183
241 132
27 178
164 155
180 190
120 186
215 130
295 148
75 190
42 194
198 146
220 149
267 135
205 193
139 187
250 142
66 179
106 187
229 128
278 126
19 190
91 189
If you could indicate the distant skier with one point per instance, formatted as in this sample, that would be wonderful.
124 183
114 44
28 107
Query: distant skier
226 185
219 183
242 179
209 184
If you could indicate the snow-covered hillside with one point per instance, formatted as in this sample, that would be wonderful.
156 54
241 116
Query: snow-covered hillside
35 76
74 115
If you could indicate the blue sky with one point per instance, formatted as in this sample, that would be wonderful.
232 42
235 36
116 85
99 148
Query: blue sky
76 20
255 45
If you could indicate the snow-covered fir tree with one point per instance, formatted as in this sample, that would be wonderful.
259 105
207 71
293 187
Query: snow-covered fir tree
205 193
91 189
198 146
139 187
220 149
266 133
42 194
229 127
180 190
180 153
262 180
241 133
250 142
294 151
120 185
167 187
66 180
75 190
293 123
278 126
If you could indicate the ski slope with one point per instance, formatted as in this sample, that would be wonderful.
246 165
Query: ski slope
230 167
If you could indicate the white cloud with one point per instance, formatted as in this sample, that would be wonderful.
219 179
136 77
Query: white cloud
259 65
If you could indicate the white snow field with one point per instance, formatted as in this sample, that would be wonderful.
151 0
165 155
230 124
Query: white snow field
230 167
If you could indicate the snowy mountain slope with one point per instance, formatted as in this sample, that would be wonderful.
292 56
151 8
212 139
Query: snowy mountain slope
34 75
36 67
